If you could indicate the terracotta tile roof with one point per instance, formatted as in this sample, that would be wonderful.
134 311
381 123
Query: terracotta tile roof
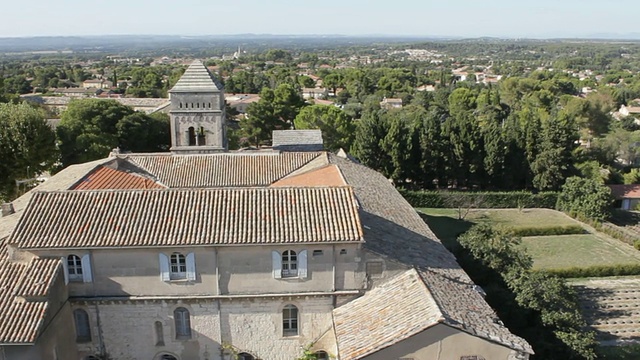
22 318
182 217
375 321
393 228
326 176
106 178
631 191
39 277
222 170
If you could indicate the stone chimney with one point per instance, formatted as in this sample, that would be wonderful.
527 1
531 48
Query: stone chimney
7 209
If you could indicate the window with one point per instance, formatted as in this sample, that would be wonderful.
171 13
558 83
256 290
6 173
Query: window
290 320
77 269
159 333
74 266
289 264
321 355
245 356
191 136
83 330
168 357
180 105
317 253
343 252
183 323
178 268
201 136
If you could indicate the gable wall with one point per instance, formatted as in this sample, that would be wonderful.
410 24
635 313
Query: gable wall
442 342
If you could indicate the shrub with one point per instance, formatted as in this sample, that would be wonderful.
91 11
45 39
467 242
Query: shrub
489 200
597 271
585 198
549 230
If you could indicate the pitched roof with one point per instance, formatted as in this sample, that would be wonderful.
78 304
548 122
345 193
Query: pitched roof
373 322
24 288
183 217
393 229
627 191
298 140
107 178
221 170
197 78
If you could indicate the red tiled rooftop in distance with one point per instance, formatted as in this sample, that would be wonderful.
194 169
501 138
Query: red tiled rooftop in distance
625 191
106 178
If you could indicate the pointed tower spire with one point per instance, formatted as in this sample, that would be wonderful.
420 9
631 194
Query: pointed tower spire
198 123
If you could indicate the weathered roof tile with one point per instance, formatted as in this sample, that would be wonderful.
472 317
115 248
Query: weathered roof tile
179 217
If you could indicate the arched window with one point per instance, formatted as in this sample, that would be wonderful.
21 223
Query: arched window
178 268
202 136
321 355
83 329
290 320
289 264
180 105
245 356
183 323
168 357
74 266
159 333
91 357
209 105
192 136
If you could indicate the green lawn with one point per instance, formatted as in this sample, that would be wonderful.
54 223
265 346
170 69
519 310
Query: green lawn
548 252
565 251
509 217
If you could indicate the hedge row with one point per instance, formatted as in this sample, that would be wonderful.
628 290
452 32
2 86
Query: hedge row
486 200
548 230
597 271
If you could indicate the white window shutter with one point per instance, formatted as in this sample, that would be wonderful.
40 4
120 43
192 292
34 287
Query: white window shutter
191 267
65 267
86 268
164 267
277 264
302 264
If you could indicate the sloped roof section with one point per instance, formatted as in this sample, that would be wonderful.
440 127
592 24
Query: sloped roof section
181 217
22 319
221 170
298 140
393 228
375 321
197 78
107 178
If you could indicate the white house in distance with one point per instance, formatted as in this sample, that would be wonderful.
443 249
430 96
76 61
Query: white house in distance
203 253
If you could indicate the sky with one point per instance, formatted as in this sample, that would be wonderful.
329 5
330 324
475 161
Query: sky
467 18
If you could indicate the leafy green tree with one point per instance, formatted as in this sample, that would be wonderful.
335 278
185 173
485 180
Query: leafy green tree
275 110
28 145
585 198
632 177
555 162
337 128
397 145
367 146
90 128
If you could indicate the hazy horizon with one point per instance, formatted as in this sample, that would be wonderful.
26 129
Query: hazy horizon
543 19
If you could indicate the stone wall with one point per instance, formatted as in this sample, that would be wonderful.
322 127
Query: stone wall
253 325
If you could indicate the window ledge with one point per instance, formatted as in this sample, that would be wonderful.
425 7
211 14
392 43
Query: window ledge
179 281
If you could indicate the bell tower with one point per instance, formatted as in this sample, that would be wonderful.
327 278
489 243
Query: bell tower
197 115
